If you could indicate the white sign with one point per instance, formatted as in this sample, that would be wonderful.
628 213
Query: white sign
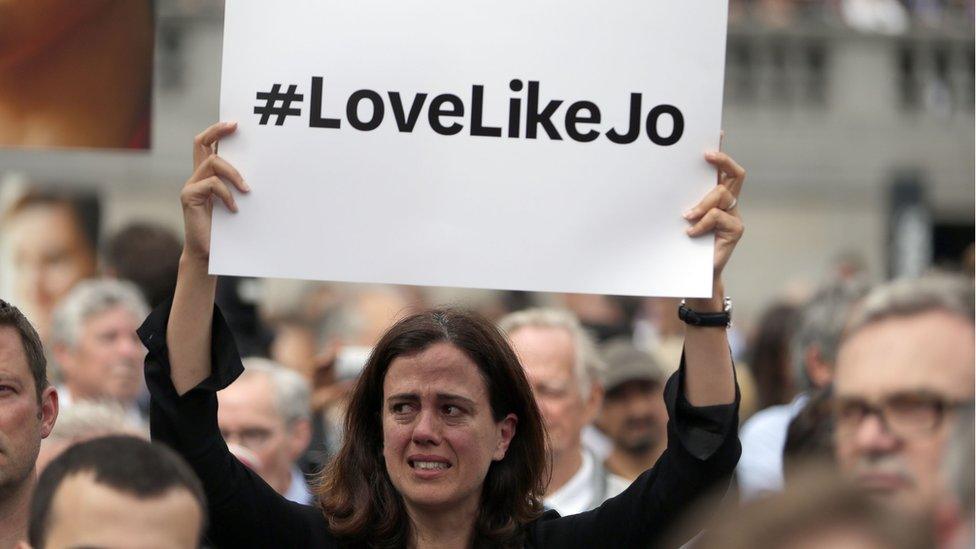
545 145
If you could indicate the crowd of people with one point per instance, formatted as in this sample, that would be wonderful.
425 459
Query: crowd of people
145 403
870 16
608 422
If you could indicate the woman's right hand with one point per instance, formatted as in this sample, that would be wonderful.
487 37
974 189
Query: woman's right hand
211 174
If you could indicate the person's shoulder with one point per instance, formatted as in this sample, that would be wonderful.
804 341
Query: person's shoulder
774 418
545 529
318 528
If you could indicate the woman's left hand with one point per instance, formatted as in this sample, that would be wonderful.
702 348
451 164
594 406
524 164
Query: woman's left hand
718 212
708 362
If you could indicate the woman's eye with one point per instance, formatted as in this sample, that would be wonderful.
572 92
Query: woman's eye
452 410
400 408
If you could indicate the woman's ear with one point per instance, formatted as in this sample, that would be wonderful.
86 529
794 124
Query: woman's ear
506 431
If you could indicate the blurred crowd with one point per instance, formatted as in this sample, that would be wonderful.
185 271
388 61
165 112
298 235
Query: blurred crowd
888 16
856 394
852 381
877 16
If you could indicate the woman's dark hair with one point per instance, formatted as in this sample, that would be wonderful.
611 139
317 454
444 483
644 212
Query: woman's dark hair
810 435
770 360
355 491
84 207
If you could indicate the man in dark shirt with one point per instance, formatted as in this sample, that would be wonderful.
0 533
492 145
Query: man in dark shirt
633 415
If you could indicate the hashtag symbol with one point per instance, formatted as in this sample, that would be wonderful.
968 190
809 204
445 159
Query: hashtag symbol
271 107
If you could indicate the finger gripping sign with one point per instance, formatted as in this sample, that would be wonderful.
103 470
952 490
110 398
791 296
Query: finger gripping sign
534 145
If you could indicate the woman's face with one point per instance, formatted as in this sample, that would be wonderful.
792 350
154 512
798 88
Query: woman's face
439 437
50 255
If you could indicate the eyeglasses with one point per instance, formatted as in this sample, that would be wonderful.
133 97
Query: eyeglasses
904 414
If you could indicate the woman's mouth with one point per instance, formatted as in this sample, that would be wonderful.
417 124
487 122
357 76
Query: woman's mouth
429 465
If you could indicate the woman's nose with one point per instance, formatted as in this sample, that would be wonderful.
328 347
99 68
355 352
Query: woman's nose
427 430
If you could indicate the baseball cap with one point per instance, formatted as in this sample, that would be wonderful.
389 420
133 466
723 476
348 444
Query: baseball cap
624 362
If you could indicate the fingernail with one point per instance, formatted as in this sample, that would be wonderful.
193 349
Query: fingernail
690 231
710 155
247 188
231 124
688 214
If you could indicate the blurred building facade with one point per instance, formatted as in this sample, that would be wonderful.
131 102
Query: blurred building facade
859 144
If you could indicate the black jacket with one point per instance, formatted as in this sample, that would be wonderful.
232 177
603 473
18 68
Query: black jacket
703 449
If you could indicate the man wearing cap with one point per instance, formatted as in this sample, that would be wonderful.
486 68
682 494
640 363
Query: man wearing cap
633 415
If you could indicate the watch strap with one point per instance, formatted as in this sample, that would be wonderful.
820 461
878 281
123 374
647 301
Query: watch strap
694 318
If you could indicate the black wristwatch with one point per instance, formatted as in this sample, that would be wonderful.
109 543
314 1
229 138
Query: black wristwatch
718 320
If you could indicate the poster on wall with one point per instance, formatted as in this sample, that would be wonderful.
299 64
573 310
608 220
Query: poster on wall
76 74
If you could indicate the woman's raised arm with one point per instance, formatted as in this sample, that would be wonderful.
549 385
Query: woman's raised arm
708 362
188 331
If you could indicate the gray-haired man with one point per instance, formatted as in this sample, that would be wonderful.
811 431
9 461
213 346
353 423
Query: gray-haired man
562 365
95 344
266 411
904 370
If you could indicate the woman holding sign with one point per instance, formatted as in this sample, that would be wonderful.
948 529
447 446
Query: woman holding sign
444 444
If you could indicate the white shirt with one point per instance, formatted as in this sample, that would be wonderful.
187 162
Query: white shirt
132 414
616 484
763 436
597 442
579 494
298 489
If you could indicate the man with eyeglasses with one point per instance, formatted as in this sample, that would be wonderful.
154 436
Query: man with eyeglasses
904 370
265 418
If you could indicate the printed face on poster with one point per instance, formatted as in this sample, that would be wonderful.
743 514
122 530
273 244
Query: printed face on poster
542 145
